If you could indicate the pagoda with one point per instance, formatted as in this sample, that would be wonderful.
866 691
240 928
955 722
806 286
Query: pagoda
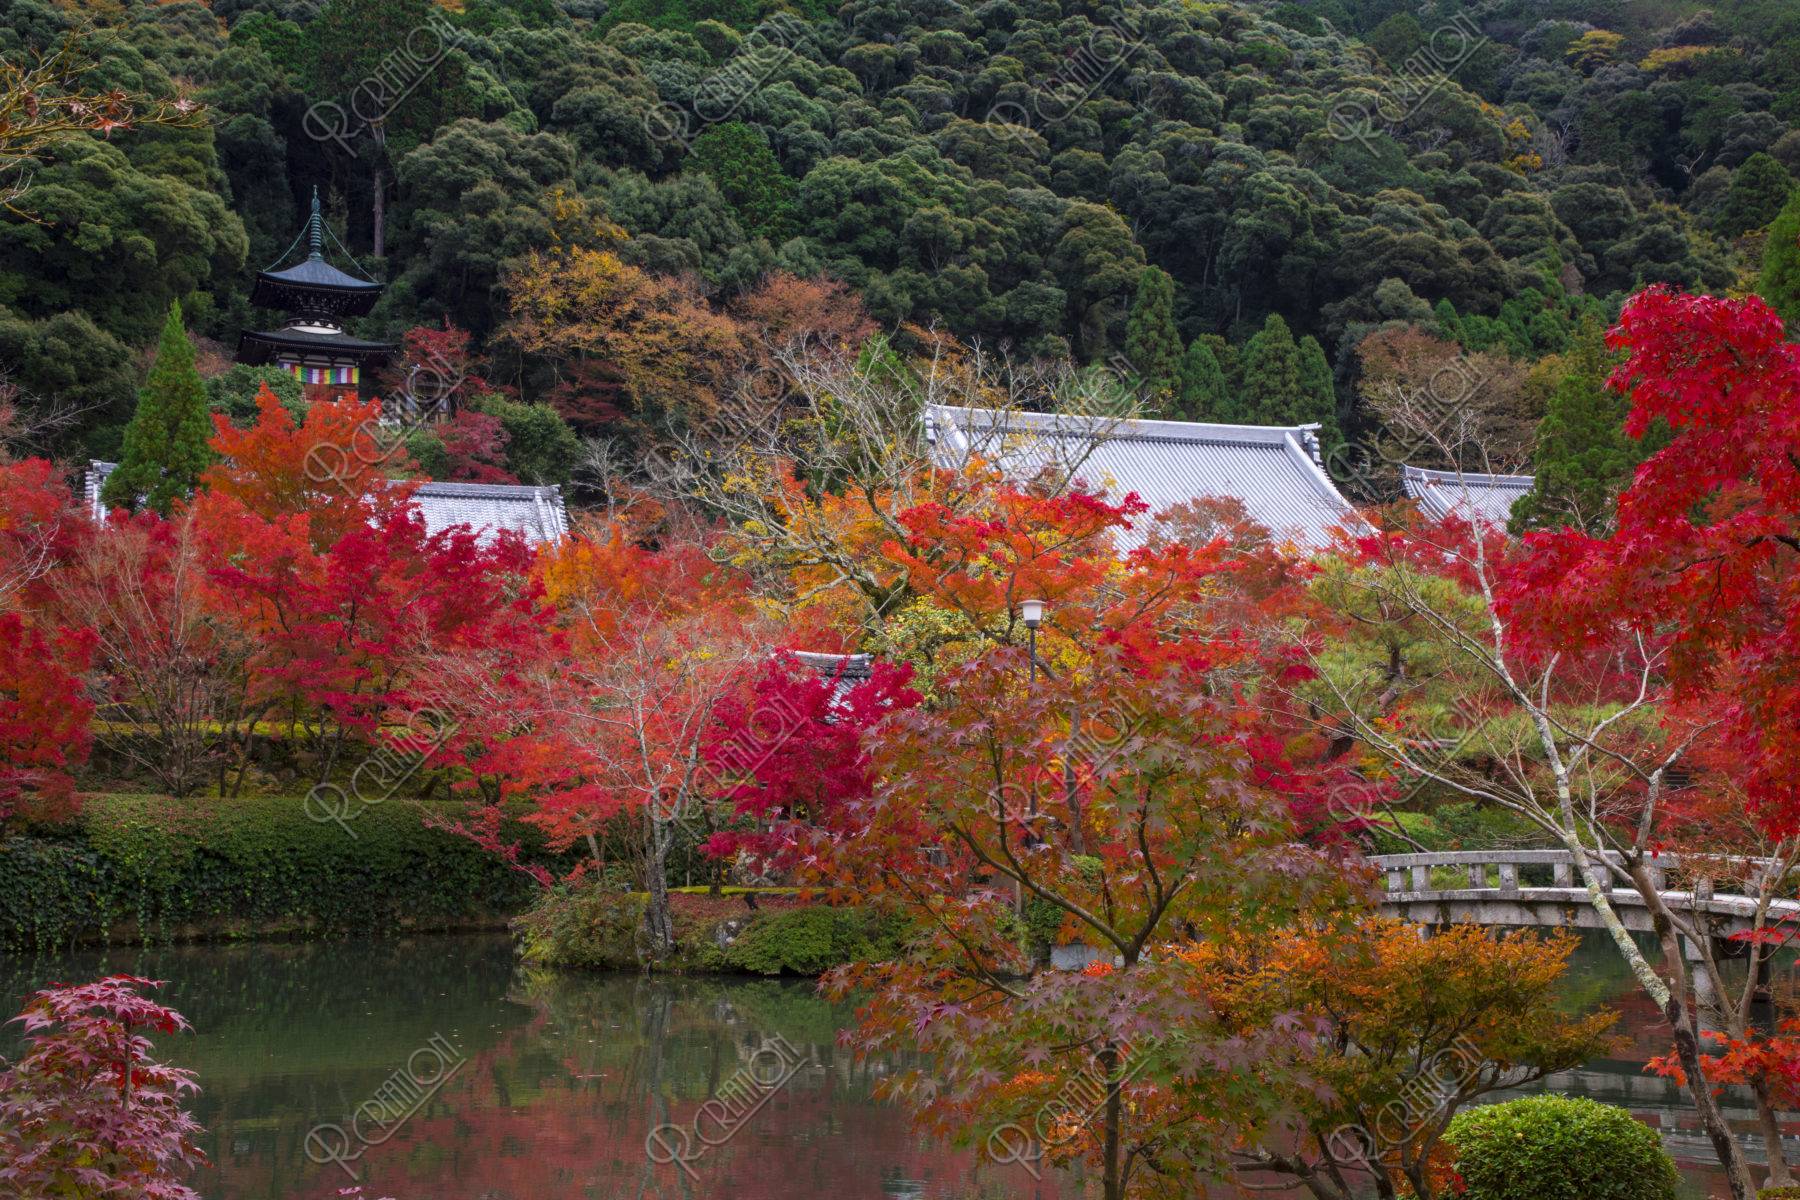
317 297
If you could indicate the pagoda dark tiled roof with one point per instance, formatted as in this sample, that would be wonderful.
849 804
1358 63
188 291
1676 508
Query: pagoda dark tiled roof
316 341
317 273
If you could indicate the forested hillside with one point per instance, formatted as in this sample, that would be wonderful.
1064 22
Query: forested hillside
610 200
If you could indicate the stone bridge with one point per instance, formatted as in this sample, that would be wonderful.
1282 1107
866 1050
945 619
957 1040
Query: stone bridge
1488 890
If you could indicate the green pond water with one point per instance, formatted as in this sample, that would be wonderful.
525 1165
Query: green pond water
438 1069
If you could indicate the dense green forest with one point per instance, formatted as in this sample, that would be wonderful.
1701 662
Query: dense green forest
1273 211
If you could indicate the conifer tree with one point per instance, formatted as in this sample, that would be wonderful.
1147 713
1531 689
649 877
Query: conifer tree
1272 385
1318 394
1780 281
1200 393
166 441
1152 342
738 158
1584 457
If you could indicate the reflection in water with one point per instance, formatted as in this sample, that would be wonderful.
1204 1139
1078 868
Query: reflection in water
557 1079
561 1079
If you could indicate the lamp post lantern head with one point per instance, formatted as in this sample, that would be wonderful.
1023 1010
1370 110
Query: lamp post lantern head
1033 613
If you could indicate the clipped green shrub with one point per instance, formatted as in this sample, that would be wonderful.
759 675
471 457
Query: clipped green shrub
810 941
148 868
1558 1148
584 927
1779 1193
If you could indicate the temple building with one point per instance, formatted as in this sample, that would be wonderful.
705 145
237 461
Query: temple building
1474 497
1274 471
317 297
537 514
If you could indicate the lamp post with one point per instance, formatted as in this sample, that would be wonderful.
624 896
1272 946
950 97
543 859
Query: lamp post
1033 613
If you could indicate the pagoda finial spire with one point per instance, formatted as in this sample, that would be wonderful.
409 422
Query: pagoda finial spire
315 228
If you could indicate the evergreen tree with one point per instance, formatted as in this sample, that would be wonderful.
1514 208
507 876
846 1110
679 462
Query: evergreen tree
1200 393
1584 457
1152 342
738 159
1272 385
1759 188
1449 325
1230 361
1318 394
1780 281
541 448
166 441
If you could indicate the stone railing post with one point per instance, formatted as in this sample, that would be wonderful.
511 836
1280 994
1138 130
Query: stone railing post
1563 872
1477 875
1509 879
1396 881
1703 890
1421 879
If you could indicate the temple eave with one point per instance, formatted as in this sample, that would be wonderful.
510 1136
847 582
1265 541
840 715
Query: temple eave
257 348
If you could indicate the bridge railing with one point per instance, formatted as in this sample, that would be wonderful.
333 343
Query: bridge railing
1411 873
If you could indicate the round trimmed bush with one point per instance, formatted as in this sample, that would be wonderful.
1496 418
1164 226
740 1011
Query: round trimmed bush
1557 1148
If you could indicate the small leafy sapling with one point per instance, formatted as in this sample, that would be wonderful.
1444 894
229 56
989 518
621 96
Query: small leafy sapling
86 1110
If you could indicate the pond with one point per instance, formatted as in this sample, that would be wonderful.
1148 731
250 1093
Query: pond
438 1069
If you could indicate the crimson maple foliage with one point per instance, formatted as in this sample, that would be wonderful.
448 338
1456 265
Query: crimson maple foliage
1125 801
1704 566
605 713
86 1110
792 748
44 712
345 591
475 448
1706 556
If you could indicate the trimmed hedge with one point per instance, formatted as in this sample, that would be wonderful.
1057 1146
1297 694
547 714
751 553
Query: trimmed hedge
810 941
147 868
601 929
1559 1148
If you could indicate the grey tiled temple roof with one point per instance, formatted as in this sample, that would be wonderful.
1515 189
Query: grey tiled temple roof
847 670
1272 469
536 512
1474 497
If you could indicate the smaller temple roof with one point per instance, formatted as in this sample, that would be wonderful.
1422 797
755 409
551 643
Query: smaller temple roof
536 512
1474 497
255 347
845 670
1273 470
486 508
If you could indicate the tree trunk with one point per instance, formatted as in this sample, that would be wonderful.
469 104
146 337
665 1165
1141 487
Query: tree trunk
1779 1175
1109 1062
1673 998
658 923
378 211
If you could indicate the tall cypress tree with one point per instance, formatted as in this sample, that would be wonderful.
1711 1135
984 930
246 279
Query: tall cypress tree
166 441
1780 281
1200 385
1318 394
1584 457
1152 342
1272 386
